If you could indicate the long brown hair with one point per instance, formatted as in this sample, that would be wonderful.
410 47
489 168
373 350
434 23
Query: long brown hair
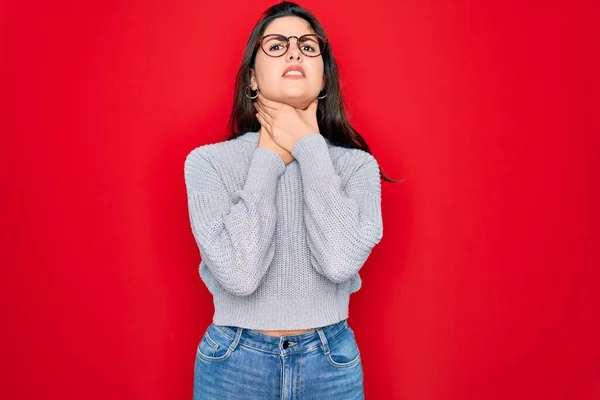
331 114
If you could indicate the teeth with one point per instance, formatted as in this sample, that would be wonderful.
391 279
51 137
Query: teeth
294 73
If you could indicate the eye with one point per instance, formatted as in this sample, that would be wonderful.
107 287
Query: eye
309 44
276 46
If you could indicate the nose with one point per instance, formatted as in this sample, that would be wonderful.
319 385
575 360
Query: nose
294 50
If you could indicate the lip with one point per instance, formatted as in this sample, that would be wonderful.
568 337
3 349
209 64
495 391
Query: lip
294 68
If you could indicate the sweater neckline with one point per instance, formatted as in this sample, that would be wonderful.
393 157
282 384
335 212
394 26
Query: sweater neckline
253 137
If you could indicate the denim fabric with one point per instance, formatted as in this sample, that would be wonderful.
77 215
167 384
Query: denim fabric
238 363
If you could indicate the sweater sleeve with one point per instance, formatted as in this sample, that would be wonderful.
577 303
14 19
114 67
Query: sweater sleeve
234 236
343 222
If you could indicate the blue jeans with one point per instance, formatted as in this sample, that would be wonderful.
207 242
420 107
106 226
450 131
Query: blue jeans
239 363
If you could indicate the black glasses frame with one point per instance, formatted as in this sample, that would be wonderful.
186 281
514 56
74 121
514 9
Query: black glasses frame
259 42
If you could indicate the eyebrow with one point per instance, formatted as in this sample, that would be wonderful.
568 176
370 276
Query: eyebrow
281 34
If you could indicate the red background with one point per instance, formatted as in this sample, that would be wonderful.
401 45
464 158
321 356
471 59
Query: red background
485 285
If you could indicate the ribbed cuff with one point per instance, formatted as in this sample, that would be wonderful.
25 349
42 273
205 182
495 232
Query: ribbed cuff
265 169
312 153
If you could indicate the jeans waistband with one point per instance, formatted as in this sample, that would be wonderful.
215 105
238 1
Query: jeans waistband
283 344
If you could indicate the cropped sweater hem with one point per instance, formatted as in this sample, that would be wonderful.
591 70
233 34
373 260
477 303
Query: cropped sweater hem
282 313
281 246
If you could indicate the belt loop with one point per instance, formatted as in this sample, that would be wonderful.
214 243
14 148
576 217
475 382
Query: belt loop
236 340
323 340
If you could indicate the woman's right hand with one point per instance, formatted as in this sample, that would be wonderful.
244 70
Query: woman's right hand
267 142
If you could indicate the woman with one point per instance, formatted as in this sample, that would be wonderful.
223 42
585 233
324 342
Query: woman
284 213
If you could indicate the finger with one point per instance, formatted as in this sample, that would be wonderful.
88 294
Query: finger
263 114
260 109
264 123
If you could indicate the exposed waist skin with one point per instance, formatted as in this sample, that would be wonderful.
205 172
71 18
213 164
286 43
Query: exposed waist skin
284 333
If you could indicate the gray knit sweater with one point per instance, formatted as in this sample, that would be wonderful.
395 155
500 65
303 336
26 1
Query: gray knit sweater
281 246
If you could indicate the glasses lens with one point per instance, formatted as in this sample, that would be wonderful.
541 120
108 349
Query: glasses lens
274 46
311 45
277 45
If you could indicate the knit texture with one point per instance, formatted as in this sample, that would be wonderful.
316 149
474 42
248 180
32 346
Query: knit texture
281 246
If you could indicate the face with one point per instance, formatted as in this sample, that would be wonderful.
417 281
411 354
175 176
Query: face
268 72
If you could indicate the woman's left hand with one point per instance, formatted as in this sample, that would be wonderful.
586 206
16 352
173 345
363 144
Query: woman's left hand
284 123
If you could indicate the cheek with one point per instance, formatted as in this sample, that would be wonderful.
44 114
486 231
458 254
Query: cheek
266 71
317 72
317 69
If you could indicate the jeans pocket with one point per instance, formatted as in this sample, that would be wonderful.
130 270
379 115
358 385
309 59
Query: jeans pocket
215 345
343 350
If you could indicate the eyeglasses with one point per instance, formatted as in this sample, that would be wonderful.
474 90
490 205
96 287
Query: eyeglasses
276 45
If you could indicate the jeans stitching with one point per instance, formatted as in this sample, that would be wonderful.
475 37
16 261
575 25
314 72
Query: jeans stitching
271 352
298 378
212 343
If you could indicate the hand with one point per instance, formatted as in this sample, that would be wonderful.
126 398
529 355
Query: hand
284 123
266 141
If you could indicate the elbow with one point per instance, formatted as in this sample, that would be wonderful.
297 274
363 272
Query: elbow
378 235
247 280
244 289
239 276
340 269
234 281
339 276
340 266
240 286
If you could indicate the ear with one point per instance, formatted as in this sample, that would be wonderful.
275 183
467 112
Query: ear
324 82
253 80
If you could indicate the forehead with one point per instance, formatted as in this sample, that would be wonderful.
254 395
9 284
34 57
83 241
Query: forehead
289 26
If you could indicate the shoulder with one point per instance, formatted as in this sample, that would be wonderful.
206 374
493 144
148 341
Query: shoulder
359 170
223 152
352 159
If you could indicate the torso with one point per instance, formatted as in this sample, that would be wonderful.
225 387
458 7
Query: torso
285 333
